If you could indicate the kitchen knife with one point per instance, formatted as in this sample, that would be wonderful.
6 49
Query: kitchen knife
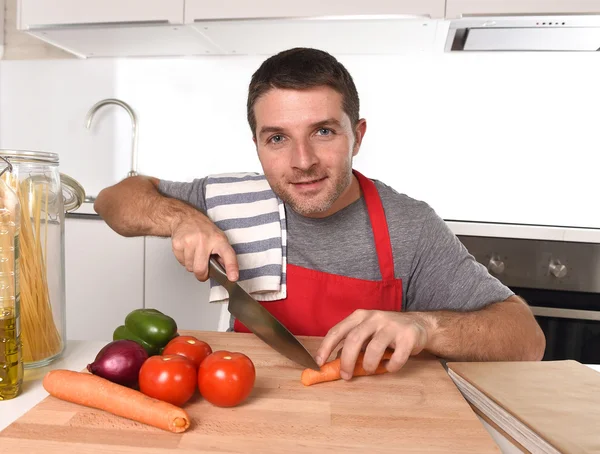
260 321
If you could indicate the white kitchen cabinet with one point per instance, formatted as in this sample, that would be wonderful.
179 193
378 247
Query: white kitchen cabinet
171 289
198 10
143 28
263 27
19 45
104 275
42 13
458 8
112 28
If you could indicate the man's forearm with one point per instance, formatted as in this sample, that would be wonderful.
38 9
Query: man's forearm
134 207
505 331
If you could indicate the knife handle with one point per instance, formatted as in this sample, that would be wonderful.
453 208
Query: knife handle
217 272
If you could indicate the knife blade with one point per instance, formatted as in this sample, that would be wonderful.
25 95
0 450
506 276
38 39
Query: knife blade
260 321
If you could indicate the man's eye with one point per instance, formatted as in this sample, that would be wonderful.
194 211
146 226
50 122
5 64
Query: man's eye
325 131
277 138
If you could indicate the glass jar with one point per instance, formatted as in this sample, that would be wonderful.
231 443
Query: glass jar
44 195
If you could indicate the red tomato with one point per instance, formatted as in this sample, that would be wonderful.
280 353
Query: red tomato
190 347
226 379
171 378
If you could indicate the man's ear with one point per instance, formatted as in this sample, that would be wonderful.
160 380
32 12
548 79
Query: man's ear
359 133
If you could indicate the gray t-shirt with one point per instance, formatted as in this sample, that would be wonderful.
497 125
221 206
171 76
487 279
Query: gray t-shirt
436 269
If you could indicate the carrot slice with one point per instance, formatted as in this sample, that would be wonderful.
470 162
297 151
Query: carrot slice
331 371
97 392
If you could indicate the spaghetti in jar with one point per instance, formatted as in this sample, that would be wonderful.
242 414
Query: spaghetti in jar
44 195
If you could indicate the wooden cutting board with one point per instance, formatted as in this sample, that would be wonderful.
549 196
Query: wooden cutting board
418 409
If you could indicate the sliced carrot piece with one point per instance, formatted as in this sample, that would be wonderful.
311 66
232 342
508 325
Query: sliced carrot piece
331 371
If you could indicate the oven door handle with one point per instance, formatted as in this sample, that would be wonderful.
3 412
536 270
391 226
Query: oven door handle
565 313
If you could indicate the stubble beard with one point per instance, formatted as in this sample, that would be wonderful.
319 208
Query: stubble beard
307 206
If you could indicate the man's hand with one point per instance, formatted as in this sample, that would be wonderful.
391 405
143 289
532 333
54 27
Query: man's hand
375 331
194 239
502 331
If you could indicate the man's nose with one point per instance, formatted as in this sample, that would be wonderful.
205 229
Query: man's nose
303 155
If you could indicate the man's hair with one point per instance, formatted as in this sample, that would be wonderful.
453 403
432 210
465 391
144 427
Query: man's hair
303 68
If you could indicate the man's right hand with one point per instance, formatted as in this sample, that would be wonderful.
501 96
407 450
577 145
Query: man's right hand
194 239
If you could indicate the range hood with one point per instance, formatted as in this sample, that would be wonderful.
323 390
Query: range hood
552 33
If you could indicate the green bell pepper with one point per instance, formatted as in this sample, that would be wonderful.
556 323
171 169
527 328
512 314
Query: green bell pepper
148 327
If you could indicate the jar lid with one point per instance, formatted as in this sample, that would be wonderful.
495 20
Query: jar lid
73 192
28 155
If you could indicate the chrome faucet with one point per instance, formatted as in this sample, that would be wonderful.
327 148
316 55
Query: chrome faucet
127 107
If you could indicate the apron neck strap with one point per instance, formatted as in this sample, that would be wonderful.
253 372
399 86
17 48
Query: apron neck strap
383 245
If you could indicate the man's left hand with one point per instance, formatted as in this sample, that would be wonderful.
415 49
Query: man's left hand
375 331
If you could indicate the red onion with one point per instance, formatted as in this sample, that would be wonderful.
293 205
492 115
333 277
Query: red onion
119 361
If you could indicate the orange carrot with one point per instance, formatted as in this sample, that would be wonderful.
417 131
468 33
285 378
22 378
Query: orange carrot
97 392
331 371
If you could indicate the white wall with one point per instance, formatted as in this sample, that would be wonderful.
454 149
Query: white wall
490 137
43 107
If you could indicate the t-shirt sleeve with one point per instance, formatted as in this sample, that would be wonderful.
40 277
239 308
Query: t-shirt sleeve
190 192
445 276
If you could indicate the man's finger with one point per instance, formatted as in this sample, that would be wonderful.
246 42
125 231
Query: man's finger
341 348
376 348
353 345
201 265
226 252
400 355
335 336
189 254
178 253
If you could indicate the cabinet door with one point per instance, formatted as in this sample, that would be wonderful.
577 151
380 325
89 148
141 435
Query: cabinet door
457 8
104 275
39 13
171 289
197 10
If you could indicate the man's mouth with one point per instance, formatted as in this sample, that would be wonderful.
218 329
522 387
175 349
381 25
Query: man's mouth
309 184
314 180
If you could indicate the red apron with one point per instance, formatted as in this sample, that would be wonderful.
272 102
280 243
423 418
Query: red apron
317 301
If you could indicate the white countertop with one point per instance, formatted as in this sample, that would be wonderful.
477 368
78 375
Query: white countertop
78 354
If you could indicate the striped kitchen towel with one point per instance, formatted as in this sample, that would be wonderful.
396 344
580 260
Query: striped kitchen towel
246 209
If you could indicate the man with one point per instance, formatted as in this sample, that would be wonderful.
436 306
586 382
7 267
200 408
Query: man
367 266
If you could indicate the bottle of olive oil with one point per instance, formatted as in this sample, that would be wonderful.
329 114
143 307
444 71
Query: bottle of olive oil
11 361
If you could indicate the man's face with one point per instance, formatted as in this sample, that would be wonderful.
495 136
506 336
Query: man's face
306 143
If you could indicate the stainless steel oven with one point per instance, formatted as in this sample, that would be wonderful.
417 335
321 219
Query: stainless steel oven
561 283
